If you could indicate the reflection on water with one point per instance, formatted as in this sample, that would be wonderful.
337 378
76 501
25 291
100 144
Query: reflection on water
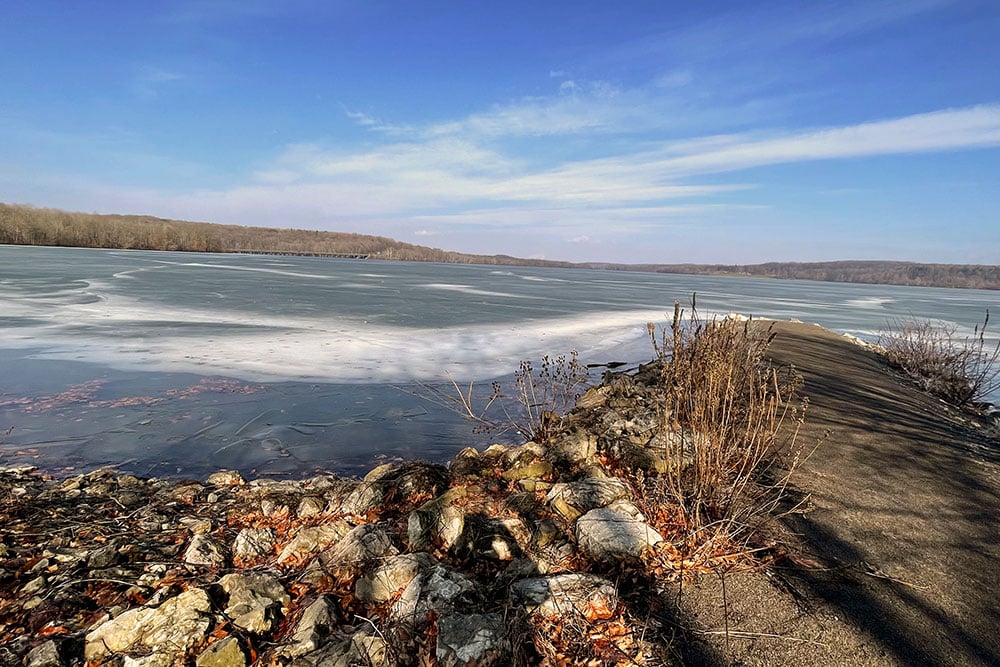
184 425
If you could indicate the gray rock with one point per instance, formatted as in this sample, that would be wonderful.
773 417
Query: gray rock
566 594
467 640
197 526
574 447
390 577
35 585
502 539
151 660
615 532
546 532
310 506
104 556
205 550
576 498
363 649
173 627
310 541
277 486
186 493
532 485
44 655
19 471
225 478
663 452
522 454
317 623
226 652
255 601
362 544
275 506
8 658
593 398
364 498
437 589
534 470
253 543
380 471
526 503
322 483
519 568
72 483
129 482
494 453
466 463
437 522
40 566
414 477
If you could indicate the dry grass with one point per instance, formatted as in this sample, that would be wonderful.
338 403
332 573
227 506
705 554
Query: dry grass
961 370
532 406
731 421
541 398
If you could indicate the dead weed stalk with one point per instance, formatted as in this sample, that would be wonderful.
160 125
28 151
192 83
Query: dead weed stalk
961 370
532 406
729 421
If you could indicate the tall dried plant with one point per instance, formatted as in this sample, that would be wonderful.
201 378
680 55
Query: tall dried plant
533 405
727 417
961 370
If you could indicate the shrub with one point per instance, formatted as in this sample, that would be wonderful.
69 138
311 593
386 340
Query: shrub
730 409
961 370
533 406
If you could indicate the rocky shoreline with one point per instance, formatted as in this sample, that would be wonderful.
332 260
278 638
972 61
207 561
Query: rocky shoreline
559 553
513 555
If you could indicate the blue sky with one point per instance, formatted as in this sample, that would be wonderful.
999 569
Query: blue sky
652 131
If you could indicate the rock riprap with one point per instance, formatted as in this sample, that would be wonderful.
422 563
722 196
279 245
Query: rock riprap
479 563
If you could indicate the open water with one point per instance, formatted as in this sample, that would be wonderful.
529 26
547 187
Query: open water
179 364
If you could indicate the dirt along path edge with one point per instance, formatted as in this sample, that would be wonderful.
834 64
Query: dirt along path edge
905 507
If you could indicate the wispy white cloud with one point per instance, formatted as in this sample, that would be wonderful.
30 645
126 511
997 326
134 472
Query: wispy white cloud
766 28
591 107
376 124
949 129
148 80
660 173
593 222
362 119
836 21
568 87
450 181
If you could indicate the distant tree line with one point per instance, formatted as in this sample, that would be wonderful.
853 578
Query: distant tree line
969 276
27 225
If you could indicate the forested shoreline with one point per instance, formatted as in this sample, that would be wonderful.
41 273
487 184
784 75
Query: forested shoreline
28 225
968 276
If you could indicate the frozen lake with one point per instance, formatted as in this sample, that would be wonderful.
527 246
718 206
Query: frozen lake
179 364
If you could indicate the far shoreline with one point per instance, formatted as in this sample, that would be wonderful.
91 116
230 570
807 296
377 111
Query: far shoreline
707 269
29 226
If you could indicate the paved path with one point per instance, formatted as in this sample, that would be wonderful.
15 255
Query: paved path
907 507
898 561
